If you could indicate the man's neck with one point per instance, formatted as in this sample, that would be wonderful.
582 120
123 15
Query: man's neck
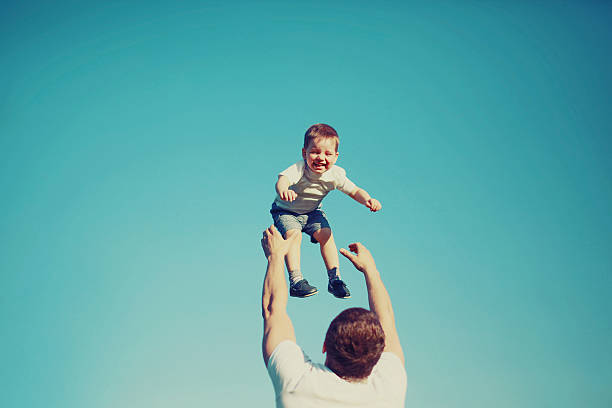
350 379
356 380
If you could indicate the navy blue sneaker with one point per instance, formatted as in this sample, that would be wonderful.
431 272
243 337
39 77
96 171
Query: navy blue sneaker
338 288
302 289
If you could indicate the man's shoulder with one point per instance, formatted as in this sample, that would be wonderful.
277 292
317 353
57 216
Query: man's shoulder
391 371
284 347
287 365
287 356
390 358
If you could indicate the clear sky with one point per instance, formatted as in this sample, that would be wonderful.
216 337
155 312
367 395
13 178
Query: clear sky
140 146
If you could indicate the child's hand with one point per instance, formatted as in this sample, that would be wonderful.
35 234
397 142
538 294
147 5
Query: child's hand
373 204
288 195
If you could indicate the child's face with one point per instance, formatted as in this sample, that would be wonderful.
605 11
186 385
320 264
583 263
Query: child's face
321 154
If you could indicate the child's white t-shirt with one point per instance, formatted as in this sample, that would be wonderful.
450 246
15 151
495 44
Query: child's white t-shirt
312 187
300 383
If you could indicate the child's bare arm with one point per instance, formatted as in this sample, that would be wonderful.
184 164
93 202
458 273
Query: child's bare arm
282 188
362 196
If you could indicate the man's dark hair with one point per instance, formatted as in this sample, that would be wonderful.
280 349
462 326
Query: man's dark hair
354 342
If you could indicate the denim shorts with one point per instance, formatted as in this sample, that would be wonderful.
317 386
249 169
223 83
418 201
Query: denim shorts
309 223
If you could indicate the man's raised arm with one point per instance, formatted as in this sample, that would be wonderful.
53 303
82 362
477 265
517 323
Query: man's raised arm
380 302
277 324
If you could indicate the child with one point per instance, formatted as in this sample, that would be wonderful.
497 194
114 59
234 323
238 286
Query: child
297 207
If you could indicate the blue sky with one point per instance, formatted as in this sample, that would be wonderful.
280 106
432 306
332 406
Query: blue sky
141 143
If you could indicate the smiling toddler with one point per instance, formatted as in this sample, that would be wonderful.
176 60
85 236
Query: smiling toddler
297 207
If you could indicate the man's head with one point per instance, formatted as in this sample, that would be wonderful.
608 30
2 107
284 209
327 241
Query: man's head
320 150
353 343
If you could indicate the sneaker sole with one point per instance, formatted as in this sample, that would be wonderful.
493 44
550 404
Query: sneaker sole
305 296
338 297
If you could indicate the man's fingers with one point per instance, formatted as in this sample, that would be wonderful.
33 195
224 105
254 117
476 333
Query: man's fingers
269 232
347 254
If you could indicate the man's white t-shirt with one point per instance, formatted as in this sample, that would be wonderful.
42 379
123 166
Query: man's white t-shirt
300 383
311 187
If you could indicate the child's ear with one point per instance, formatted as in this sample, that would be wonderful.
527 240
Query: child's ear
303 153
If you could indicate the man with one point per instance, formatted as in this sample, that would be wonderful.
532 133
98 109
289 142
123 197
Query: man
364 364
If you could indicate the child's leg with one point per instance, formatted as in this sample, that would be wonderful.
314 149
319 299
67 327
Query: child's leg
329 252
330 256
292 259
299 287
291 224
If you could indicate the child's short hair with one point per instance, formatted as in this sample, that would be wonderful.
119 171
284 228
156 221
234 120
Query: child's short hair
320 130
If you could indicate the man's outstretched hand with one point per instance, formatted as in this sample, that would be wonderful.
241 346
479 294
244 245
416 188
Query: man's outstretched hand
362 259
273 242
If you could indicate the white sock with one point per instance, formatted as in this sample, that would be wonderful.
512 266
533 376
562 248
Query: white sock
295 276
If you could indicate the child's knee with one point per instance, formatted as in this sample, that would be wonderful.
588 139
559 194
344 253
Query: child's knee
292 232
323 235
